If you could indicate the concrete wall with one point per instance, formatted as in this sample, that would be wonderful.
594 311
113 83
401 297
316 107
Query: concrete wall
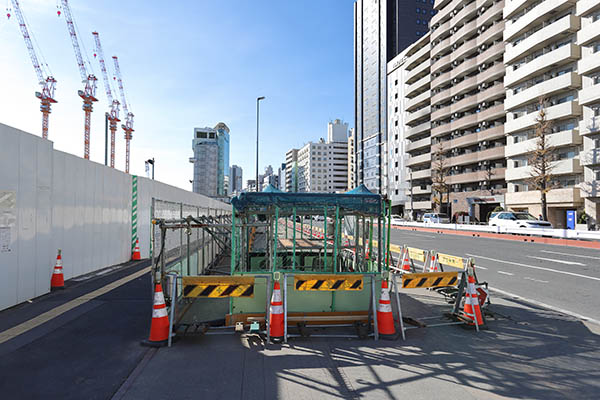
52 200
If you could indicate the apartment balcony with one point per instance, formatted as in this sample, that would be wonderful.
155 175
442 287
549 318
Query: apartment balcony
465 68
589 158
570 80
541 38
464 31
416 115
513 6
443 28
442 62
415 102
418 205
416 160
589 64
589 95
589 33
425 126
418 86
562 167
441 46
425 189
492 133
495 30
563 110
418 57
477 176
440 97
422 174
559 139
418 144
584 7
539 12
544 63
418 72
441 80
491 53
556 197
465 13
589 126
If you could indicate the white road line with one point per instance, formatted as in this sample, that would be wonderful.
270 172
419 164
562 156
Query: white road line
479 267
418 234
548 306
504 273
568 254
535 280
558 261
534 267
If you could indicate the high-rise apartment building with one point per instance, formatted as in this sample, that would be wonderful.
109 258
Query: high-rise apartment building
467 111
291 170
351 160
589 98
382 29
211 160
281 177
409 129
237 181
541 58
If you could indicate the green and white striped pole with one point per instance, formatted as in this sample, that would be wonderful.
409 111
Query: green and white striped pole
134 202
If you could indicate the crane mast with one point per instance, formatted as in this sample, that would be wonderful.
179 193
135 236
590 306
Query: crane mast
113 114
128 126
88 94
47 84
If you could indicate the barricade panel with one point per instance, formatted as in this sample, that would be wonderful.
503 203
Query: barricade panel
218 286
429 279
328 282
452 261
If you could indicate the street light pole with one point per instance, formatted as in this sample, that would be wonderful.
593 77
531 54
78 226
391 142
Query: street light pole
258 99
151 162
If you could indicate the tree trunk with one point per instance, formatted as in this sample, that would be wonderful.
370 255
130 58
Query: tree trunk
544 207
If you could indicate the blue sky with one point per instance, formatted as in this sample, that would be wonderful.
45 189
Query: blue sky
189 64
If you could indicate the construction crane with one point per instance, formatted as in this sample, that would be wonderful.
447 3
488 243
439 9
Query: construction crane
128 126
48 84
113 113
88 94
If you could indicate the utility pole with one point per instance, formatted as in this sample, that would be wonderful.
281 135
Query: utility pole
412 209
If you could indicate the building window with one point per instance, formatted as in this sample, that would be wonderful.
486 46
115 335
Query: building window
395 123
418 21
396 82
418 33
418 10
396 95
395 109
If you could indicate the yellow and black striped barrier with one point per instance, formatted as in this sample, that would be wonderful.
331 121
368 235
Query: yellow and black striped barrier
429 279
328 282
218 286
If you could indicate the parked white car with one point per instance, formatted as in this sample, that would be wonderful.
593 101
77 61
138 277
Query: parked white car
509 219
396 220
436 218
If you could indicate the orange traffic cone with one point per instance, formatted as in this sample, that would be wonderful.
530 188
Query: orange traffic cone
136 251
276 331
159 327
58 280
472 311
406 263
385 318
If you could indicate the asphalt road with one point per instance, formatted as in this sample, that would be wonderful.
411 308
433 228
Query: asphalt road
566 278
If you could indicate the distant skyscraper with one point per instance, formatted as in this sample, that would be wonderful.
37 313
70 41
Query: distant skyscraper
236 179
211 160
382 29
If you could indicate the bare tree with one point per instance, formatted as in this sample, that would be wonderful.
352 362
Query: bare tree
489 174
542 159
439 173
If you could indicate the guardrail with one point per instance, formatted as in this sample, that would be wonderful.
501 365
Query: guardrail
557 233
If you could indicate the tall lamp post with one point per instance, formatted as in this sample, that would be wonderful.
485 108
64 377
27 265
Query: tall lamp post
151 162
258 99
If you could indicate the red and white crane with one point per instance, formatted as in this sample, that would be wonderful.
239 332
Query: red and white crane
113 113
48 84
128 126
88 94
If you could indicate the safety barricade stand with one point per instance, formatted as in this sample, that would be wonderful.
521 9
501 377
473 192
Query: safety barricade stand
194 288
408 256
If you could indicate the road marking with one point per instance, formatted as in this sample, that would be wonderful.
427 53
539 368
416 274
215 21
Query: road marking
504 273
568 254
558 261
418 234
535 280
534 267
63 308
548 306
479 267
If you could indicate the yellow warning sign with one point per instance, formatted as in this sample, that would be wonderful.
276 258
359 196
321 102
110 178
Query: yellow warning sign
416 254
429 279
452 261
328 282
218 286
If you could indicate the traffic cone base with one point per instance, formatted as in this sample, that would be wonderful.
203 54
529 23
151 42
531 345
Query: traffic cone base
276 328
159 327
385 317
136 251
58 280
